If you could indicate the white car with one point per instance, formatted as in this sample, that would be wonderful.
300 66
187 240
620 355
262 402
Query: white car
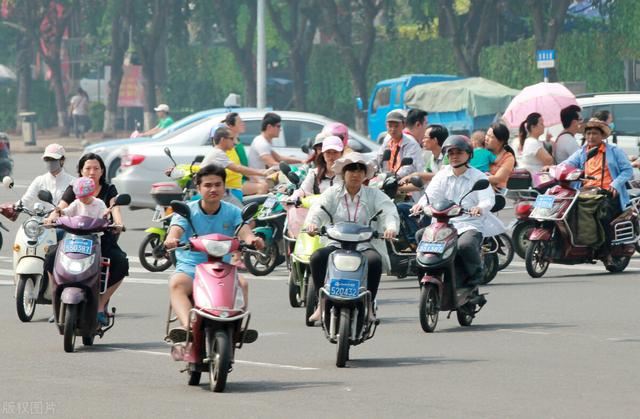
625 108
143 164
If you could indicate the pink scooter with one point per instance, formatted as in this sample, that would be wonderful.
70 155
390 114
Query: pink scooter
219 319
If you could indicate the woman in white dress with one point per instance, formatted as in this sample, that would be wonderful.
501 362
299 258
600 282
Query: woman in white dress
531 152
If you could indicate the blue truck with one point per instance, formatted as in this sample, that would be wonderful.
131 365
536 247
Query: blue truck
461 104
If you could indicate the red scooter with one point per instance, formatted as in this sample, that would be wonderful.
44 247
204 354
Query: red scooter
219 319
553 240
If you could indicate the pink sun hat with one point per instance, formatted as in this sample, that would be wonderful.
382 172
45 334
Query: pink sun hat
84 187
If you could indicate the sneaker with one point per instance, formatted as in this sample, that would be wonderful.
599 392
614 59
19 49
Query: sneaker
250 335
103 320
178 334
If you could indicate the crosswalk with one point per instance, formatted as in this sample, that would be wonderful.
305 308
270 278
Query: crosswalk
139 275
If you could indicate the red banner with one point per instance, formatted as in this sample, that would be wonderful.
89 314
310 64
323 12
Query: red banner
131 93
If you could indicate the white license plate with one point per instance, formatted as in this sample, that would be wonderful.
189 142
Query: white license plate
544 201
431 247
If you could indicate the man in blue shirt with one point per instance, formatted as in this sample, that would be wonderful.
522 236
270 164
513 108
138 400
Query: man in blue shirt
209 215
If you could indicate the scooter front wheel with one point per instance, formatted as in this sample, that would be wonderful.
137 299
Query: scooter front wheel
505 250
295 296
26 299
312 302
152 255
535 260
219 360
520 237
428 309
342 353
262 265
70 320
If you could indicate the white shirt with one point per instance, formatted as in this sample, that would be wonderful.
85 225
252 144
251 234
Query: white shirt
79 105
306 188
94 210
260 146
54 184
446 185
409 147
365 204
217 156
528 159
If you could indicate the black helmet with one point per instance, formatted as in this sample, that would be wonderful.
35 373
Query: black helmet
460 142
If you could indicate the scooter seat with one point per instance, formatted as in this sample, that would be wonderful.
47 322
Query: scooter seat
259 199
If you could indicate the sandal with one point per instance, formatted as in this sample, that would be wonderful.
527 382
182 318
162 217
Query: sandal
178 334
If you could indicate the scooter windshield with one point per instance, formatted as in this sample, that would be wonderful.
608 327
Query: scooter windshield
82 224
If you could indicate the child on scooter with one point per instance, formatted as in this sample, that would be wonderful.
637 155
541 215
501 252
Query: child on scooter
85 204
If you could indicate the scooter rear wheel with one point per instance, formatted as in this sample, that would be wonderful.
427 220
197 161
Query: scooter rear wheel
342 353
26 299
260 266
534 260
428 308
491 262
618 264
464 318
220 360
194 378
70 320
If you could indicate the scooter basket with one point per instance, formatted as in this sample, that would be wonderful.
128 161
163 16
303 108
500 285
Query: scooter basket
624 233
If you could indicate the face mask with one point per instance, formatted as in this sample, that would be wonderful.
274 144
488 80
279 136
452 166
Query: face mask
53 165
612 126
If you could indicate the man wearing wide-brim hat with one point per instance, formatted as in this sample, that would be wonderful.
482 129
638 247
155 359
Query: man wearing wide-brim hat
605 166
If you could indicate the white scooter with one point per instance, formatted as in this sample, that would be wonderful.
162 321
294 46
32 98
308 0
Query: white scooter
30 246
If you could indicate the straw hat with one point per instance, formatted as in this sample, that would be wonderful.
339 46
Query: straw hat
354 157
602 126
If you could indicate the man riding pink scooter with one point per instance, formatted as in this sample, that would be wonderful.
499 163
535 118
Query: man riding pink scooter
208 215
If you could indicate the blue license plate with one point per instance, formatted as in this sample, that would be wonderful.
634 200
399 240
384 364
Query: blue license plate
544 201
347 288
431 247
82 246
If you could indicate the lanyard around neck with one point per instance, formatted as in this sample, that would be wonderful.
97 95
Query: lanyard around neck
355 213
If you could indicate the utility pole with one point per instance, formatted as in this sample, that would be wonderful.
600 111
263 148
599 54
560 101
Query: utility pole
261 56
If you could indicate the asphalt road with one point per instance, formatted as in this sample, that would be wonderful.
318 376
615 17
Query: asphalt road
563 346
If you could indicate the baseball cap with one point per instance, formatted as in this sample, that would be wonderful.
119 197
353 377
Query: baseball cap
332 143
396 116
54 151
319 138
163 107
84 187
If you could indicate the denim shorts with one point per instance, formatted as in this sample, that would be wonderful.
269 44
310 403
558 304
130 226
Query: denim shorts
186 268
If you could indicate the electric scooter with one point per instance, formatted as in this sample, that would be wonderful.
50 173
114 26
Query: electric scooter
219 318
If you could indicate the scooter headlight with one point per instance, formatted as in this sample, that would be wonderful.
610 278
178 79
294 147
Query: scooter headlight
347 263
454 212
430 234
217 248
32 228
336 234
76 266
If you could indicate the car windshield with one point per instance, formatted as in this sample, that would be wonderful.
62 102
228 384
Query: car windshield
626 116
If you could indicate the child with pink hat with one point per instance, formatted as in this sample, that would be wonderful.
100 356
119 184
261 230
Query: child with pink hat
85 203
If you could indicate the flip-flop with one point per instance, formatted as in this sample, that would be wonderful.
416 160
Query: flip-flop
178 334
250 335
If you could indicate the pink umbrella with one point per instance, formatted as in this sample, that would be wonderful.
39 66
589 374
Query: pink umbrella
548 99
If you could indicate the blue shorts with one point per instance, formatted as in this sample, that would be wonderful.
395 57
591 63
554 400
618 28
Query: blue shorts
187 269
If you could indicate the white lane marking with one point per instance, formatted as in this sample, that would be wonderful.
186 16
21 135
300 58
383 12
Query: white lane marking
525 332
237 361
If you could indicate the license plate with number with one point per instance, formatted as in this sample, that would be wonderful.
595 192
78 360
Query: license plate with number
431 247
82 246
347 288
269 202
544 201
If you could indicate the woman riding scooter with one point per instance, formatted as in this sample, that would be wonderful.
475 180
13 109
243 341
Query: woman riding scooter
92 166
322 177
353 202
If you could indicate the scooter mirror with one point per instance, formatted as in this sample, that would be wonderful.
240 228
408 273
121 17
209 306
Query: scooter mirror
284 168
167 151
304 148
499 204
480 185
181 208
406 161
416 181
386 156
7 181
45 196
293 178
123 199
198 159
249 211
